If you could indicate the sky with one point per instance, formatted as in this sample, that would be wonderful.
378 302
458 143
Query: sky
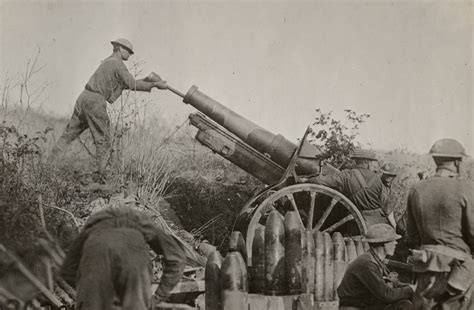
406 63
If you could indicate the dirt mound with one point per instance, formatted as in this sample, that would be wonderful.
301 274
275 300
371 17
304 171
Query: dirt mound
207 205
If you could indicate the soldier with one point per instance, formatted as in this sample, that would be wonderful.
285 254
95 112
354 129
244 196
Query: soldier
367 283
90 111
440 226
389 173
360 185
109 260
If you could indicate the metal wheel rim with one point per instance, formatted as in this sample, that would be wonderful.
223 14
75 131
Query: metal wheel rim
354 213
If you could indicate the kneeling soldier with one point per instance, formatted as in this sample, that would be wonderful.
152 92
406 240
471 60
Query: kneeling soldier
364 284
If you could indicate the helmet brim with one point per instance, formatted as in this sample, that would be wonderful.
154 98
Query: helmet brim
382 240
125 47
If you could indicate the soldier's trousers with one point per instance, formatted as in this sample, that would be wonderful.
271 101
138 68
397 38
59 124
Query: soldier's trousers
90 112
432 292
115 265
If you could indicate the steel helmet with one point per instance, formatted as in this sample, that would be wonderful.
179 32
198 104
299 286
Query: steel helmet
381 233
364 154
389 169
124 43
447 148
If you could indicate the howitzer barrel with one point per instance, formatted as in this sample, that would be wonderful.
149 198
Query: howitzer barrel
276 146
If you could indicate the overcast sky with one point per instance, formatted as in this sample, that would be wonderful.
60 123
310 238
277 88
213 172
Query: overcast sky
408 64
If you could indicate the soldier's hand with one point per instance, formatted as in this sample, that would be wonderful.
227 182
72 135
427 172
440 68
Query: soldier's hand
155 300
153 77
160 84
303 180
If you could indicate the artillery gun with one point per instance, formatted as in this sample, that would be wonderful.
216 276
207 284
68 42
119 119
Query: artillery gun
279 164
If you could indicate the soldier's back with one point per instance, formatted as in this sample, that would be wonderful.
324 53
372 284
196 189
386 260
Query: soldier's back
439 205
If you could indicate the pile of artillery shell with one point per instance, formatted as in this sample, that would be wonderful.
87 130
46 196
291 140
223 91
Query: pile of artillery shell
285 260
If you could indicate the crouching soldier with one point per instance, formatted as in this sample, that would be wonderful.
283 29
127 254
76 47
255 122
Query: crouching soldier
366 283
440 226
360 185
109 260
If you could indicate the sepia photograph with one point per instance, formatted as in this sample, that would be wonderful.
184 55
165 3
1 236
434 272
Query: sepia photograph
236 154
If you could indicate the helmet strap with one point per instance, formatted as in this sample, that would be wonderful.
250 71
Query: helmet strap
457 164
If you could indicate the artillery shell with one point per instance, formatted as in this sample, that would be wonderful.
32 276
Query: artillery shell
359 246
339 263
275 255
237 243
319 266
213 281
328 268
351 250
293 253
257 271
233 282
366 246
245 277
308 262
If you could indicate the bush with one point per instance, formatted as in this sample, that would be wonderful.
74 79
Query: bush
337 139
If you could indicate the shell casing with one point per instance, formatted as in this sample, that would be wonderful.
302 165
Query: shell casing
275 255
293 253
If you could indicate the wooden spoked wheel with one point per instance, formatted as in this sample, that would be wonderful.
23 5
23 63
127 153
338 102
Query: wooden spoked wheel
320 208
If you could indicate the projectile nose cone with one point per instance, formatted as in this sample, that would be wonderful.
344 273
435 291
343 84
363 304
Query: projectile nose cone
237 243
351 250
234 273
292 220
212 278
339 246
214 259
293 253
257 271
275 223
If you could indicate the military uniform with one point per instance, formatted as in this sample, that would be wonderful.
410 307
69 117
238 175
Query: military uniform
440 223
363 187
90 111
363 286
110 260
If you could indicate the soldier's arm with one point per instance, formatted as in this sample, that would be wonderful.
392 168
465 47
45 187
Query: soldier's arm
413 238
468 220
129 81
334 181
174 257
73 258
174 260
374 282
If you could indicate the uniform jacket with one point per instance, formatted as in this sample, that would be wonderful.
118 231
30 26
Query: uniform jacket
440 211
363 285
127 217
112 77
363 187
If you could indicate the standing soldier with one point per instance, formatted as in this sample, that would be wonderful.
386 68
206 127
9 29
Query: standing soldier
389 173
90 111
367 283
440 226
109 260
360 185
